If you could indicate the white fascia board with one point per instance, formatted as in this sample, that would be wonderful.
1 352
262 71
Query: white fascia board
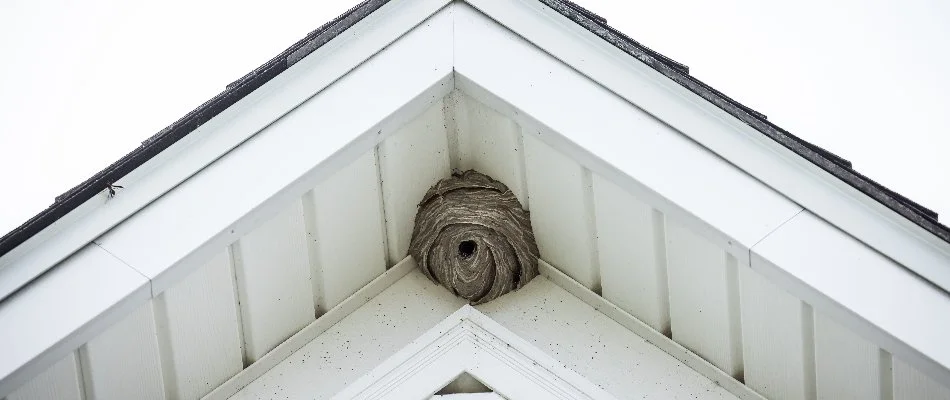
174 234
758 155
743 215
63 309
861 289
179 231
468 341
212 140
614 138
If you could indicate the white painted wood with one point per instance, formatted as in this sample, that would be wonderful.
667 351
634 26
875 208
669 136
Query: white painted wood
225 200
469 342
651 336
776 331
703 298
541 314
357 343
909 383
62 381
216 137
90 291
765 159
315 329
595 345
273 281
847 366
345 232
468 396
411 161
124 362
199 330
631 242
561 212
612 137
490 143
847 281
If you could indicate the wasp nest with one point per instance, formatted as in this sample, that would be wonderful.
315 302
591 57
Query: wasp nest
473 237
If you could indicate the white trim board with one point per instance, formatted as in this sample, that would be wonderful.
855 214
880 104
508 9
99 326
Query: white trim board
313 330
636 366
214 139
730 218
649 334
445 43
469 341
756 154
171 252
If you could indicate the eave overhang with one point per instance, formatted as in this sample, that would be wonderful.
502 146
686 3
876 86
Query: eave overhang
394 63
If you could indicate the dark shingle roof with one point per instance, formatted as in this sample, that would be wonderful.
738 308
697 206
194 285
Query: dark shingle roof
679 73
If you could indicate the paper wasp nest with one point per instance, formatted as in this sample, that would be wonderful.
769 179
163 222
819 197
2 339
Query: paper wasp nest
473 237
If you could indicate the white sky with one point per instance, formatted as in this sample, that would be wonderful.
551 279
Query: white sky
84 82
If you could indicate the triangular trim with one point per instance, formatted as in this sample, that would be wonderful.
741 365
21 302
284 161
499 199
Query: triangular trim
469 341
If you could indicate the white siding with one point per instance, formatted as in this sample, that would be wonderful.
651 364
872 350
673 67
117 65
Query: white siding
632 248
345 232
703 298
273 279
124 362
775 336
911 384
62 381
847 366
200 331
561 211
490 143
411 160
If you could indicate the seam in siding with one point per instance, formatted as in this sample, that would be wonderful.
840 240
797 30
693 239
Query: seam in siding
587 180
773 231
886 372
662 271
735 315
809 368
312 227
234 263
383 220
151 291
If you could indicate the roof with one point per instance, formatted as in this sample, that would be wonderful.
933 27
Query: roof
679 73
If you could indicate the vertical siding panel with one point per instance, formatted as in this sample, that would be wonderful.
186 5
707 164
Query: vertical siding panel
632 250
490 143
411 160
847 366
199 331
700 300
911 384
273 278
772 338
124 361
62 381
560 212
345 230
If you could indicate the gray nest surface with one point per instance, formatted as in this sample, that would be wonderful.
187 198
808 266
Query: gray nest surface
473 237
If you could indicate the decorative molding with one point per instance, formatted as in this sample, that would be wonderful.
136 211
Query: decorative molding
468 341
649 334
312 331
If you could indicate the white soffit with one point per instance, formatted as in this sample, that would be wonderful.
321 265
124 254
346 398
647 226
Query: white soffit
468 341
543 89
249 116
755 153
339 103
608 351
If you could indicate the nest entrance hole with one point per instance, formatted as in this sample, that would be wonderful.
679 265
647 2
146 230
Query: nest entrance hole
467 248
